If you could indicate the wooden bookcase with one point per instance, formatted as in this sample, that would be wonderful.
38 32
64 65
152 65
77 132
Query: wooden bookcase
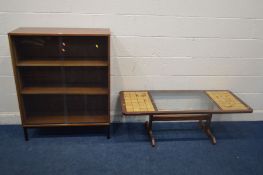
62 76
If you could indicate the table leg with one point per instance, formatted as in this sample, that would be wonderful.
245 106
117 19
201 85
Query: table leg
148 126
207 129
108 132
25 133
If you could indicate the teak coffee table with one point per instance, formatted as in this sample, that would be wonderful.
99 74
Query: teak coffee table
175 105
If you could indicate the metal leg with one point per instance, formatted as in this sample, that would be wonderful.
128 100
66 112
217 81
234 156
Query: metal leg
108 132
201 124
25 133
148 126
207 129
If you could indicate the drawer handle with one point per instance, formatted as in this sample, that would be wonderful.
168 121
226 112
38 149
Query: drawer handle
63 44
97 46
63 50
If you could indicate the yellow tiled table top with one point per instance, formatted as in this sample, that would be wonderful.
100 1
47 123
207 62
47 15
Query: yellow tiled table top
225 100
141 102
138 102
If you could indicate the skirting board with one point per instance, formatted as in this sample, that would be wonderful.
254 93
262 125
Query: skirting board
9 118
14 118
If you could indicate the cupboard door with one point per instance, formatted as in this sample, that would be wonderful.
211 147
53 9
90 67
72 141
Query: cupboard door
89 104
42 87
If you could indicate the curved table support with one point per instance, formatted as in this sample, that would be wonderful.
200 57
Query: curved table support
206 127
148 126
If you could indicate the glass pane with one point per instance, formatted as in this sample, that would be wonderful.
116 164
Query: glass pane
37 47
79 48
41 76
86 108
182 101
86 76
86 100
48 109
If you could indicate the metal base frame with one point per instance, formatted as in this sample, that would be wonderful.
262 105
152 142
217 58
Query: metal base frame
108 132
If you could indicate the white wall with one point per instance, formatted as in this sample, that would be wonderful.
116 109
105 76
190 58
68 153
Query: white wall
156 44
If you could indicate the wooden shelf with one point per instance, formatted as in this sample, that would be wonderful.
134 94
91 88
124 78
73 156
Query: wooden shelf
66 120
40 119
88 119
99 63
65 90
49 31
